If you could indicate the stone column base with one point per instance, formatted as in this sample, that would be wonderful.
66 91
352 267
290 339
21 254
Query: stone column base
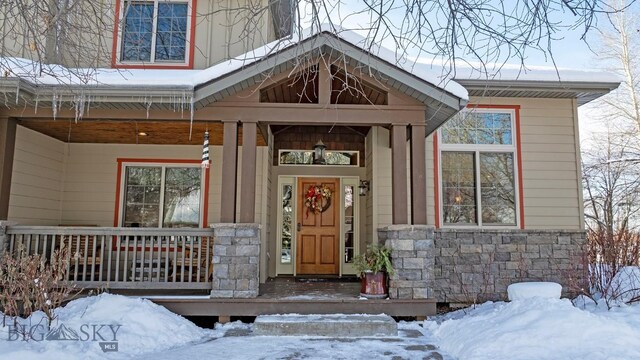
412 254
236 260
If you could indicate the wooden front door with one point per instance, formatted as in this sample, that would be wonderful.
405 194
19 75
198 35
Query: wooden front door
318 246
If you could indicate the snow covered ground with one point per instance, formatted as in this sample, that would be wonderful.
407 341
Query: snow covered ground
137 325
539 328
536 328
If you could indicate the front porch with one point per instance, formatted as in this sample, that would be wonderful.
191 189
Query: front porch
214 270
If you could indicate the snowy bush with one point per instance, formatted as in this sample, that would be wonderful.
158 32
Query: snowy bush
613 258
30 283
626 284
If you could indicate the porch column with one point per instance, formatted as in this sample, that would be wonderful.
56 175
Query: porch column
399 174
229 172
248 182
418 176
7 147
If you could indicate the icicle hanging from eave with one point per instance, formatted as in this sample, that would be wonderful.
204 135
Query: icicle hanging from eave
205 151
54 105
79 104
192 113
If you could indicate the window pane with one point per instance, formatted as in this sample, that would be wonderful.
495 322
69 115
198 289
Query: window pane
171 36
349 233
142 196
287 221
461 129
478 127
305 157
296 157
182 197
137 31
497 188
458 187
502 129
341 158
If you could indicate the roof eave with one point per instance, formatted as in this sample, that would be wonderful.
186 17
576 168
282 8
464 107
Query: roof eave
584 91
29 91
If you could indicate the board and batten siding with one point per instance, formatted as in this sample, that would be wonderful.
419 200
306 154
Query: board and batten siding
551 173
37 179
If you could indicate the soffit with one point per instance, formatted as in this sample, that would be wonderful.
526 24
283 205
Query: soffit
126 132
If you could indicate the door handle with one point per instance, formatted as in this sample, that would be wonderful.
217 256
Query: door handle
299 227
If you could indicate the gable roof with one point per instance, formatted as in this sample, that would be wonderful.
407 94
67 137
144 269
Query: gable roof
29 82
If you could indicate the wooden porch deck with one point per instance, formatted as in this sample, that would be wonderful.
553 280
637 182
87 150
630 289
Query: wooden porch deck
286 295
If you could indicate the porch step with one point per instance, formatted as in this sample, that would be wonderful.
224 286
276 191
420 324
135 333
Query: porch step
325 325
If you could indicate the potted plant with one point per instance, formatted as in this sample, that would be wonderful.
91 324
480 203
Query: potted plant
373 267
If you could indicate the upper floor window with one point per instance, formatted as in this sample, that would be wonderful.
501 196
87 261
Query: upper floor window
154 32
478 177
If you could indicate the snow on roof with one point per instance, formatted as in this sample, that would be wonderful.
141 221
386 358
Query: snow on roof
42 74
533 73
426 70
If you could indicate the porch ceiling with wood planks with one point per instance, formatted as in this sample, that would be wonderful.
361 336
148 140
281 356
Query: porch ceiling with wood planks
126 132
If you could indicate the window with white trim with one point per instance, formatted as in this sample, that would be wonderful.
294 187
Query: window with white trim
159 195
155 31
477 168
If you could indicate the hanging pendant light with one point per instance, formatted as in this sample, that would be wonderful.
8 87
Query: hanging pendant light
205 151
319 153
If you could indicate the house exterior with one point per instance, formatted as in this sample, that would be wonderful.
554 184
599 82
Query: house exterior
473 183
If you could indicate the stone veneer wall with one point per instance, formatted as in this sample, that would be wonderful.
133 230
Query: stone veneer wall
236 260
412 254
478 265
466 266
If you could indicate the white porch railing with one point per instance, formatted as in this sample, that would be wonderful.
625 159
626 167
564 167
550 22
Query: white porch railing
123 258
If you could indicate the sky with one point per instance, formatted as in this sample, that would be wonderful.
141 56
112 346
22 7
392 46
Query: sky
569 50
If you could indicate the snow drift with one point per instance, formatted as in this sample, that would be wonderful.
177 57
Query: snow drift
539 329
143 327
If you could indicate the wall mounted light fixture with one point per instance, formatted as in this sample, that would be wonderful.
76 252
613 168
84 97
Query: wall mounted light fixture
364 187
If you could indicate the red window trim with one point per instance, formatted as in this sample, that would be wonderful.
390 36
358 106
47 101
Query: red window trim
205 199
516 109
118 65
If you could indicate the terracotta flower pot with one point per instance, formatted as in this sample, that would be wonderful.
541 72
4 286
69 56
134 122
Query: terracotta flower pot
374 285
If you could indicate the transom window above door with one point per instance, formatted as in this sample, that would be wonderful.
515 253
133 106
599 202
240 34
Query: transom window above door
168 196
478 161
154 32
305 157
